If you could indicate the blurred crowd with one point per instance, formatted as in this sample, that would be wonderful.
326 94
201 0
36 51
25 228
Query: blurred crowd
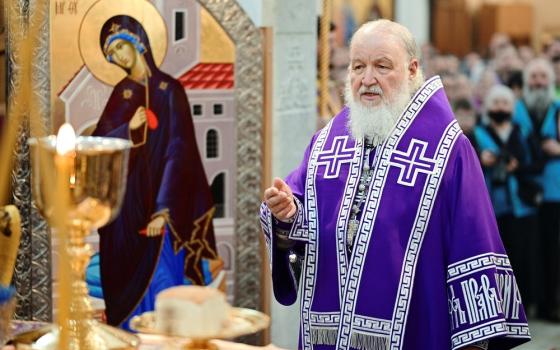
508 104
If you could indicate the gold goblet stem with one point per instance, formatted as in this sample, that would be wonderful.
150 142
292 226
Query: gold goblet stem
81 335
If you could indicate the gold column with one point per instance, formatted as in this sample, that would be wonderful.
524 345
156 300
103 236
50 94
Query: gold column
23 106
324 59
19 104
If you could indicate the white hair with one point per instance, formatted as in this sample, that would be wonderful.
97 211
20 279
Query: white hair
498 92
402 34
398 30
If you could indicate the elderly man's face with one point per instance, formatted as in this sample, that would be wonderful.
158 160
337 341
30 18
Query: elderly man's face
378 67
538 79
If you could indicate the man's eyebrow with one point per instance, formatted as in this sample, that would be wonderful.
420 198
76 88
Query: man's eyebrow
374 59
383 58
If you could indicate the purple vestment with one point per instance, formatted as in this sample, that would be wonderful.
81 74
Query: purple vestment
427 268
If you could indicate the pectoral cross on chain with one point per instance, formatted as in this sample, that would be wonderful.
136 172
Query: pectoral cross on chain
353 225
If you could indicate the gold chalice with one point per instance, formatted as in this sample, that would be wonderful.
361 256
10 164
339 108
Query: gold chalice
88 182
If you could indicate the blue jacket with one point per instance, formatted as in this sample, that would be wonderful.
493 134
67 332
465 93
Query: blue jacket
548 129
504 187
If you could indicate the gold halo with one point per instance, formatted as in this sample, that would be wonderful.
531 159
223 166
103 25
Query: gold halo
90 29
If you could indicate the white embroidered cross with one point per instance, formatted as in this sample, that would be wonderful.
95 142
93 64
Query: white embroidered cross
333 158
412 162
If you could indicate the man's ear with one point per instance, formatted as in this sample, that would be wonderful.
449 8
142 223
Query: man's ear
413 68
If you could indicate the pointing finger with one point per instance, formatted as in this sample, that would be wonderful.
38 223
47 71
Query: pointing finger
279 183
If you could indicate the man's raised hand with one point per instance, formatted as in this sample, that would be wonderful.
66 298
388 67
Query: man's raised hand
280 200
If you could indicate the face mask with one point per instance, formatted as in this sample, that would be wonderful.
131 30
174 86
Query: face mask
499 116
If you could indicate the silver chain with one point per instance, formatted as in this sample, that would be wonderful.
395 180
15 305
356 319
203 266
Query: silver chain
360 198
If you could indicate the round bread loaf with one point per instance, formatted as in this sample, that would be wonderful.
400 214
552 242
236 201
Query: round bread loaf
191 311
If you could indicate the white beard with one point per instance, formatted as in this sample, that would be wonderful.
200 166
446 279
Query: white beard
538 98
375 122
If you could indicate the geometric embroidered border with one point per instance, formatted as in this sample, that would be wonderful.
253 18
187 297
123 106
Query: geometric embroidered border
299 231
424 212
310 267
266 224
270 239
488 330
324 319
364 324
380 169
477 263
478 333
371 325
351 186
518 330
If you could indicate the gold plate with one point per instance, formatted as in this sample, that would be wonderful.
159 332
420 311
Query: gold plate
44 336
241 321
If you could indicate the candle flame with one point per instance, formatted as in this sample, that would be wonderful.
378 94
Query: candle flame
66 139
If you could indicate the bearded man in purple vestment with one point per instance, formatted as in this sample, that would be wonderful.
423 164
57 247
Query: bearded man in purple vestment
164 229
386 227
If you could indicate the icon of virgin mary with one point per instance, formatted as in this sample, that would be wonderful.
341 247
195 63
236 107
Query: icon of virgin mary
165 227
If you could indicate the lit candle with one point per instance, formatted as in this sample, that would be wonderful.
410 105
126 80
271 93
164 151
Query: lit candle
65 140
64 162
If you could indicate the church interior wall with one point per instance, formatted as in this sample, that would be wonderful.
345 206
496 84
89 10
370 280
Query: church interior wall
545 16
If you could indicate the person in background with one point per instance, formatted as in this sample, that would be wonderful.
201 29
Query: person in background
498 42
467 119
506 63
538 100
526 54
508 168
473 66
429 54
485 82
537 115
463 88
550 211
515 83
553 54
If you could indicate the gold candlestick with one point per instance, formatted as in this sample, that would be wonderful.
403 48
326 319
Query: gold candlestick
92 175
